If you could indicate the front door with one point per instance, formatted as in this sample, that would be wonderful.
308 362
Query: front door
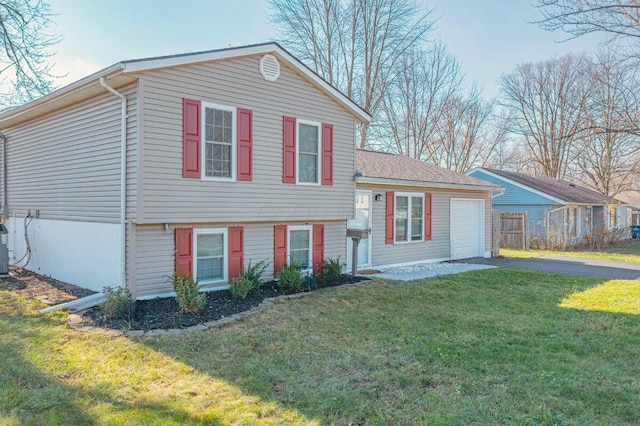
362 221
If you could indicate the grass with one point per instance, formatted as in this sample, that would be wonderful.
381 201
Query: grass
497 346
628 253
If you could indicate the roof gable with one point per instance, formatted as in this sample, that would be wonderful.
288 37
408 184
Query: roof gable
380 166
123 73
562 191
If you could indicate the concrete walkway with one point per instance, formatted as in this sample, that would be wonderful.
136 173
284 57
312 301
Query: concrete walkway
427 270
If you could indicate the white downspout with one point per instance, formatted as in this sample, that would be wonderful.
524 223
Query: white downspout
123 179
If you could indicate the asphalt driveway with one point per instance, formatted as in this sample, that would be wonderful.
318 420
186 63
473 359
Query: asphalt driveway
568 265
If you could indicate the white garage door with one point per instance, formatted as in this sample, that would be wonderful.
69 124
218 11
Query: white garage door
467 228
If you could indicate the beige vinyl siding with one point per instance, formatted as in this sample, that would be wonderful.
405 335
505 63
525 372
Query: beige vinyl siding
439 247
238 83
67 164
155 248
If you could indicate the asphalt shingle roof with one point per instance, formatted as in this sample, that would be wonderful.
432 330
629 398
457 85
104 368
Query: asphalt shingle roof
399 167
560 189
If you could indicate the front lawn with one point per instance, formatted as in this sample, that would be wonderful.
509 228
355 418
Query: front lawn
624 253
497 346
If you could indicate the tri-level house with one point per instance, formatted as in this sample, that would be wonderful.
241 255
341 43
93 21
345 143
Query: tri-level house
193 163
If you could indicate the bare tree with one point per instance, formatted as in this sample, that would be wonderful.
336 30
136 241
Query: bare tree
467 134
353 44
414 102
618 18
24 71
609 150
546 101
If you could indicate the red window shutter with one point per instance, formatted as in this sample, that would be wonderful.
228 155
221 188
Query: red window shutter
184 251
327 154
236 251
390 217
427 216
190 139
288 150
245 145
318 248
279 248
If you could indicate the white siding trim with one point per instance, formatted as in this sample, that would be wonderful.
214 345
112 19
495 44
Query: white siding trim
86 254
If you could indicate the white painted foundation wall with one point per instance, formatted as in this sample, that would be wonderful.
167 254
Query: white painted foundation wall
86 254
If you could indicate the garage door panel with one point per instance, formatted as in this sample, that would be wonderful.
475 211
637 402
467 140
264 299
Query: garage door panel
467 219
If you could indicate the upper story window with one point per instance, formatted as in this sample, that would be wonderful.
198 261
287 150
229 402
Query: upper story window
219 141
308 152
409 217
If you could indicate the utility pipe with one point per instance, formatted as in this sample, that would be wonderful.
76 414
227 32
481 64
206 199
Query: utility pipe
5 211
123 178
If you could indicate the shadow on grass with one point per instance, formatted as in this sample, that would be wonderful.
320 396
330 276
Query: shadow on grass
30 395
488 347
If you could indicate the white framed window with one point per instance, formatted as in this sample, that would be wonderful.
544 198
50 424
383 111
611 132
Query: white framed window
299 245
218 141
211 258
409 217
308 146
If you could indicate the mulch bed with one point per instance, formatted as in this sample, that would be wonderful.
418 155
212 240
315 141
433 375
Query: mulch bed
46 289
165 313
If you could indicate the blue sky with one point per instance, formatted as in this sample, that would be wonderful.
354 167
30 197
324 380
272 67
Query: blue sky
489 37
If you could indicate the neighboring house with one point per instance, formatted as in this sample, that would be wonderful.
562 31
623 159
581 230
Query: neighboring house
419 212
196 163
560 213
632 200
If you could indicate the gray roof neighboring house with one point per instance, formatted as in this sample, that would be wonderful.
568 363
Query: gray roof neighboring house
124 73
385 168
560 189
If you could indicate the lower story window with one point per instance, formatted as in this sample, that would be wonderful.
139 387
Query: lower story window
300 245
211 254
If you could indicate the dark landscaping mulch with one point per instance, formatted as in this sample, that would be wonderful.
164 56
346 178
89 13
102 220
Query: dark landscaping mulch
165 313
46 289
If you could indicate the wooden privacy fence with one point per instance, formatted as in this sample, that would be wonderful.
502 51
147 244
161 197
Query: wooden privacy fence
514 230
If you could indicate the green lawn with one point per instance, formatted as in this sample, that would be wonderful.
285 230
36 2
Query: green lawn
628 253
498 346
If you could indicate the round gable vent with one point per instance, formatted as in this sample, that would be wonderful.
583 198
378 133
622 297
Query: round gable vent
269 67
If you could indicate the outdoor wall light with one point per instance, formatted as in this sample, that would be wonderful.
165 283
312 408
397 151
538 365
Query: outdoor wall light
166 227
377 197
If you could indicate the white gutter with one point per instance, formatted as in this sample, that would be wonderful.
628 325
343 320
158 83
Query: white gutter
499 193
123 178
5 210
401 182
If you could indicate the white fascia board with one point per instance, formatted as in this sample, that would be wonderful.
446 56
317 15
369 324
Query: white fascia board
58 93
520 185
400 182
172 61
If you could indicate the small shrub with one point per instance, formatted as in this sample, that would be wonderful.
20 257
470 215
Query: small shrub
330 272
290 277
118 303
241 287
188 293
254 273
